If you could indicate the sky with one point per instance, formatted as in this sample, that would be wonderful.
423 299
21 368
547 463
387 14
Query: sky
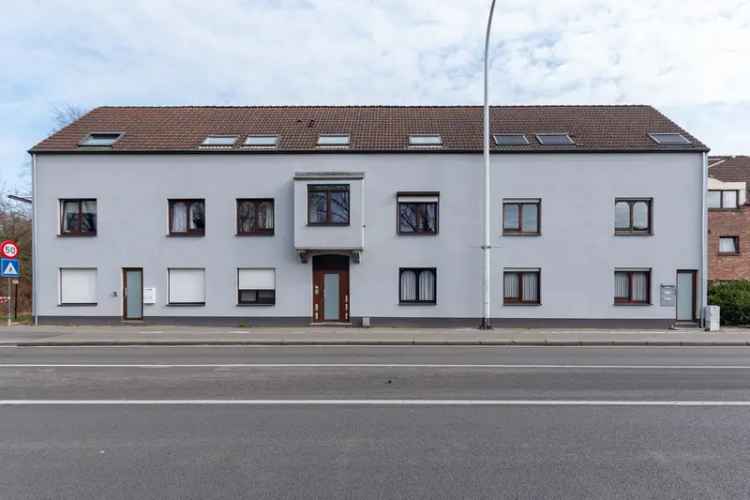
688 58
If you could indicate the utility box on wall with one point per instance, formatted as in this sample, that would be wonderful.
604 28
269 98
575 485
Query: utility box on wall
713 316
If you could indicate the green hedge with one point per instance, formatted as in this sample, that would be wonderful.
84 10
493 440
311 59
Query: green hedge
734 299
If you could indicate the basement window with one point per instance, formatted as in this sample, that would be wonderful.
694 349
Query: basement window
333 140
425 140
101 139
261 141
510 140
669 139
219 141
555 139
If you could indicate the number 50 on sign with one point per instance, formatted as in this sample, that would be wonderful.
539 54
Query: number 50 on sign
9 249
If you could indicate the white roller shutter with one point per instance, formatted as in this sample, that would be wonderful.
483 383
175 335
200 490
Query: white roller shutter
187 286
257 279
78 286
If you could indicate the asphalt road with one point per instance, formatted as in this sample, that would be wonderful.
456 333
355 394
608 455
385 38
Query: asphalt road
374 422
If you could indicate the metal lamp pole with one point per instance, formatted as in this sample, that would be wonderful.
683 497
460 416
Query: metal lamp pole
486 324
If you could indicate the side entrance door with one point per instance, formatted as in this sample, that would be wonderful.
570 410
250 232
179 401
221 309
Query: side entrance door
330 288
132 293
686 292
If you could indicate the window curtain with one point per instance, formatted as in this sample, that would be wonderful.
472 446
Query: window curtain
730 199
530 287
247 216
408 286
640 287
196 215
622 285
714 199
427 286
510 286
70 216
88 220
179 217
726 245
265 215
640 215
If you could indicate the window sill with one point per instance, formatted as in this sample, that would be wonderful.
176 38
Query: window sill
633 233
513 304
256 305
417 303
243 235
188 304
76 235
511 233
328 224
738 209
186 235
729 254
402 233
633 304
83 304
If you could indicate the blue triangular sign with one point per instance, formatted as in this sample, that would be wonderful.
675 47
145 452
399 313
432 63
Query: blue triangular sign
9 268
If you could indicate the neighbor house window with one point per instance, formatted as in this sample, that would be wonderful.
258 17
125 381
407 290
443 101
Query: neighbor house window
187 287
78 217
729 245
328 204
521 286
633 216
78 286
633 286
256 286
187 217
418 213
417 285
255 216
521 217
723 198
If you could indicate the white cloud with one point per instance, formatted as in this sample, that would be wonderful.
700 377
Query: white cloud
688 56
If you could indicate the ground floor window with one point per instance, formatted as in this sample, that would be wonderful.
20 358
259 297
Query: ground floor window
417 285
187 287
256 286
78 286
521 286
632 286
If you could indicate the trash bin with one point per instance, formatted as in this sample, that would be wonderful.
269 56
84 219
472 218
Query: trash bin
712 315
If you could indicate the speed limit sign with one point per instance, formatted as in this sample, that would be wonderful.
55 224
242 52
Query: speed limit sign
9 249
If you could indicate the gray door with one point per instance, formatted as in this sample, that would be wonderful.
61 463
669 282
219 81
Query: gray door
686 295
331 285
133 293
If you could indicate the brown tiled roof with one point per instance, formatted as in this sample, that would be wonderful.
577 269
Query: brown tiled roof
372 128
729 168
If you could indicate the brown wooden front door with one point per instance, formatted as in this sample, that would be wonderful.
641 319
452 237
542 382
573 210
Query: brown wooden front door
330 288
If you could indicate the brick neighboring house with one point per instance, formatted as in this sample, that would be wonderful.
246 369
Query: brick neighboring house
728 218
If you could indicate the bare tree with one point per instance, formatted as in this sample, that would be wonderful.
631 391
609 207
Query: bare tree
63 116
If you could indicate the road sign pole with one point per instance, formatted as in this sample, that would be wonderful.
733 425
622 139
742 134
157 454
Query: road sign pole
10 308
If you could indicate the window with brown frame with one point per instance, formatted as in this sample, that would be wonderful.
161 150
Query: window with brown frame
417 285
328 204
727 199
255 217
522 217
187 217
633 216
78 217
633 286
418 213
729 245
522 287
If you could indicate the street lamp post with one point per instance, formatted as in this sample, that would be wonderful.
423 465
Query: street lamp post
486 324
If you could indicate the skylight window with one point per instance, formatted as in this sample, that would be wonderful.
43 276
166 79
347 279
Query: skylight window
555 139
672 139
104 139
511 139
340 140
219 140
425 140
262 141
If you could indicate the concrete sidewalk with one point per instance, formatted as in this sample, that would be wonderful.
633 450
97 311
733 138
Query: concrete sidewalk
171 335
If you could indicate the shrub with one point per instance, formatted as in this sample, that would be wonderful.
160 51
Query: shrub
733 297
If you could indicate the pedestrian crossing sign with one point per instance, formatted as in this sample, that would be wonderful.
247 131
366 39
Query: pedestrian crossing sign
10 268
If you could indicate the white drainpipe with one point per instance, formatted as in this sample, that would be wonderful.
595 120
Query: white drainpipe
34 244
704 238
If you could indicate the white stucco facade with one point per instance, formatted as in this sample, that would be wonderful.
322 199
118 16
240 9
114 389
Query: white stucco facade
577 250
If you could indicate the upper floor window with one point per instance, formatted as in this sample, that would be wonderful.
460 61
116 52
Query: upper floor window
729 245
418 213
328 204
417 285
723 198
187 217
78 217
633 286
255 216
633 216
522 217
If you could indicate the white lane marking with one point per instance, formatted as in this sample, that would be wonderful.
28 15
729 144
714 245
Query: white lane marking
375 365
365 402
